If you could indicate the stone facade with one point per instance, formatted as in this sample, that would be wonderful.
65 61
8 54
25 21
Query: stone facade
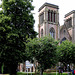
49 23
69 26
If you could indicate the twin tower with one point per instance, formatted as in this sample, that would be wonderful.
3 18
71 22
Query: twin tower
49 23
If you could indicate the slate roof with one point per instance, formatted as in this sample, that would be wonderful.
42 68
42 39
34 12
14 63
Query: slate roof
48 4
73 11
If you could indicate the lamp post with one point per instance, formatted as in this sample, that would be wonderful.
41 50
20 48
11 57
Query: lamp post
68 69
56 69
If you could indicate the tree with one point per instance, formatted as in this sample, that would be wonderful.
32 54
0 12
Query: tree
21 16
16 25
4 31
44 51
66 52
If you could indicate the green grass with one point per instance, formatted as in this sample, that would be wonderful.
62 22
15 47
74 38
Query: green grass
22 73
52 73
4 74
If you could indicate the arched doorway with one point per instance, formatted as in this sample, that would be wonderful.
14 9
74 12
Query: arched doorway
63 40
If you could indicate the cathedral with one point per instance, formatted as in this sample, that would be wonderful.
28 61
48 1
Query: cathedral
49 23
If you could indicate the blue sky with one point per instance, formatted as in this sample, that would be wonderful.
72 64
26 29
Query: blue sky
65 6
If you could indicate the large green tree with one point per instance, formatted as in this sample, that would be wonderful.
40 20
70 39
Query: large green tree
16 25
44 51
66 52
21 16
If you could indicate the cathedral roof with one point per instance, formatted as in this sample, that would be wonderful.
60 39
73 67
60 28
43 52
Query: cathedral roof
69 30
48 4
73 11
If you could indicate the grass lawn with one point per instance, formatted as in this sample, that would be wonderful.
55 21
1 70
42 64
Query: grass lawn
53 73
22 73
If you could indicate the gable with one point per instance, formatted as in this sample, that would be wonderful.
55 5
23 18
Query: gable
65 33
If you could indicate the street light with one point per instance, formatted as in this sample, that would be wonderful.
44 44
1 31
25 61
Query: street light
68 69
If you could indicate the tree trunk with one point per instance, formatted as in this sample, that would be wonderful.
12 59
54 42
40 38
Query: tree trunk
68 68
41 71
24 65
13 69
10 69
35 70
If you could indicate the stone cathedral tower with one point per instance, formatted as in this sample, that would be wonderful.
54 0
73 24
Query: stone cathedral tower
67 31
49 20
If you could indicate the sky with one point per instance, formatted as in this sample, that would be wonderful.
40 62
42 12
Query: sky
65 6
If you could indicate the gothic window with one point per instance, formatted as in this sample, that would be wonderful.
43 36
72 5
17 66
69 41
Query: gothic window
64 32
54 16
41 32
49 15
69 23
52 32
41 18
63 40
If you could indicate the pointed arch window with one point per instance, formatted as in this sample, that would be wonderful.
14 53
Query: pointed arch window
49 15
63 40
64 32
54 16
41 18
41 32
52 32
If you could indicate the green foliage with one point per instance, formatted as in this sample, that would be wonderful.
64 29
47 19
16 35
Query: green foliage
21 16
43 50
66 52
16 25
